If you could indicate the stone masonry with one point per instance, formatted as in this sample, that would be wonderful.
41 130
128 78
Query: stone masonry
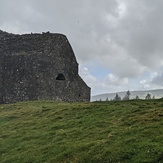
39 67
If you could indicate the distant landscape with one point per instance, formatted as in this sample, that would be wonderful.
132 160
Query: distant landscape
158 93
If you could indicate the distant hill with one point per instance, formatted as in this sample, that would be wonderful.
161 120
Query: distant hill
142 94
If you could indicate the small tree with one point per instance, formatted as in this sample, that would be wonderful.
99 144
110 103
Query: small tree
148 97
107 99
117 97
127 96
137 97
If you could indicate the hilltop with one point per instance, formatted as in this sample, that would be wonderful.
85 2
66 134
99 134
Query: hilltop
103 132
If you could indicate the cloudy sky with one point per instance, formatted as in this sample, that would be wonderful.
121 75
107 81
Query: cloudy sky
118 43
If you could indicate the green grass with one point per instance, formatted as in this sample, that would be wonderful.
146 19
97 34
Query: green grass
124 131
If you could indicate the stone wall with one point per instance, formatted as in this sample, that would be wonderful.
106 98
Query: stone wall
39 67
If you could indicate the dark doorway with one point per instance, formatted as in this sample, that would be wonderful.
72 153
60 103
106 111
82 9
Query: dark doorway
60 77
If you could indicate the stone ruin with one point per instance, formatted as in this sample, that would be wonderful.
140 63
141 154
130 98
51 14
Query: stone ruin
39 67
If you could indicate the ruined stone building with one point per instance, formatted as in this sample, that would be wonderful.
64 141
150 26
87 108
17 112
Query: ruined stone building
39 67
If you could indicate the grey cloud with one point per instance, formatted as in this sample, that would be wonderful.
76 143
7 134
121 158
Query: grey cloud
128 45
157 80
144 31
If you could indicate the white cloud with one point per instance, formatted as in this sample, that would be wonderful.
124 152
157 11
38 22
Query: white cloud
143 81
154 81
115 80
157 79
110 83
87 76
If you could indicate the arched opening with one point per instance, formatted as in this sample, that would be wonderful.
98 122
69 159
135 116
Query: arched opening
60 77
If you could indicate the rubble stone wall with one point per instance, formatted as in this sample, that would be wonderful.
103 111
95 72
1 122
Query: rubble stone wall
39 67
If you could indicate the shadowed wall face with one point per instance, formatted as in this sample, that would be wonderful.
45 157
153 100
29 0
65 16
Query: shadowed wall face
39 67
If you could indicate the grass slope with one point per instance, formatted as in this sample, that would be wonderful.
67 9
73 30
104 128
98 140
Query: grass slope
124 131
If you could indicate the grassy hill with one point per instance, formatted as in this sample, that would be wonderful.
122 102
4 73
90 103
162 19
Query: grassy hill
124 131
